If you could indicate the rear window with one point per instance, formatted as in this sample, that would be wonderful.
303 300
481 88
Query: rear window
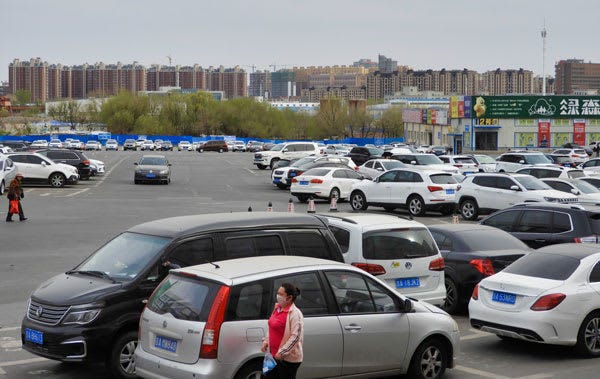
464 160
184 298
398 244
478 240
573 174
443 179
317 172
544 266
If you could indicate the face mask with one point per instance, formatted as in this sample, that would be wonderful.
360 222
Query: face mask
281 300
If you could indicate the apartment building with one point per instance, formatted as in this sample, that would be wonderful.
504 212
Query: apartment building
260 84
505 82
574 75
29 75
538 83
319 74
314 95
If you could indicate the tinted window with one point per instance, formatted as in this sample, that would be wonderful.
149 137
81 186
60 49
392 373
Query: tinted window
153 161
531 184
317 172
193 252
560 186
545 266
339 174
312 299
307 244
561 222
510 158
493 239
485 181
534 221
575 174
369 164
442 179
242 247
389 176
464 160
374 151
19 158
548 174
352 174
342 237
404 177
595 274
246 300
503 220
355 295
398 244
505 183
442 240
184 298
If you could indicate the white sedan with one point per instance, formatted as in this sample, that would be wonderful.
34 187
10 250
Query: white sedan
184 145
375 167
551 296
324 182
39 144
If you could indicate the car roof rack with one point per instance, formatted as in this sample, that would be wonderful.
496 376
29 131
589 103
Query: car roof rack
337 217
555 205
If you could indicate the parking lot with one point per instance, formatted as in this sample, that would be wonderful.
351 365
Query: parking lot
65 225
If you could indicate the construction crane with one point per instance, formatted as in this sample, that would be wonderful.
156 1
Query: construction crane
170 60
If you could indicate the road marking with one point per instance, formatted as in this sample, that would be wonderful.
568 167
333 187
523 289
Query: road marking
107 173
537 376
250 171
76 193
23 362
484 374
9 329
44 194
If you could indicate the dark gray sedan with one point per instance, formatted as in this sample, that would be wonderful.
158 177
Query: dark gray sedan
152 168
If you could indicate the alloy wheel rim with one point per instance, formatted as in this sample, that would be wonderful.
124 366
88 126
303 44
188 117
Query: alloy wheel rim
357 202
57 180
254 375
468 209
592 335
127 358
431 362
415 206
335 193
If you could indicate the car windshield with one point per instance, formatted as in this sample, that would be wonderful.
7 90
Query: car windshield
153 161
125 256
484 159
130 140
390 165
428 159
111 141
492 239
278 147
317 171
404 243
544 265
375 151
532 184
585 187
536 159
442 179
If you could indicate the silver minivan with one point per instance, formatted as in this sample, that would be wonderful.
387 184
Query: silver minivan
208 321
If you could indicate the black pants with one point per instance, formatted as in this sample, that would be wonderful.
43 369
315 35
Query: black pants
284 370
21 215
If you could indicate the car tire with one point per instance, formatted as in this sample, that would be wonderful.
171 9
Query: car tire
121 360
358 201
429 360
57 180
588 342
273 162
416 205
302 198
252 369
389 209
201 150
335 192
452 301
469 209
261 166
2 187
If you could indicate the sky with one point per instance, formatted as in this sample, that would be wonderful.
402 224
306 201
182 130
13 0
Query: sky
424 34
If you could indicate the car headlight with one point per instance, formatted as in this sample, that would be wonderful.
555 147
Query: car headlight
82 314
164 172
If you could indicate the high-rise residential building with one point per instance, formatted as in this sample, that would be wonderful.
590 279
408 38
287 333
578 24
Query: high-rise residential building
574 75
260 84
303 74
386 65
283 85
192 77
4 88
234 83
505 82
79 82
55 82
537 85
366 63
313 95
31 76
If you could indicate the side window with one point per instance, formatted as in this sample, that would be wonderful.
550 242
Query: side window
369 164
339 174
352 175
485 181
312 299
311 147
193 252
19 158
34 159
307 244
416 177
384 302
443 242
242 247
549 174
342 236
595 274
560 186
445 160
404 177
351 292
389 176
377 166
561 222
534 221
505 183
528 171
503 220
246 301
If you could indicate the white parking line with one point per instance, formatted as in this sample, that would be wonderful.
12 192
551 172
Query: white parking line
76 193
107 173
483 374
10 329
250 171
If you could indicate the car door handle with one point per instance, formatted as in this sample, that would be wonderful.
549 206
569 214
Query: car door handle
353 328
145 301
540 240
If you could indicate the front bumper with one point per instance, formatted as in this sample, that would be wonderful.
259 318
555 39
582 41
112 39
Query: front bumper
73 179
156 178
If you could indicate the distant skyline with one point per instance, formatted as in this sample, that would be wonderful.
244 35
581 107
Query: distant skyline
434 34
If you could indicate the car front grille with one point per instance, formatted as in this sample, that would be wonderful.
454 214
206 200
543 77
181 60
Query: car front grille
45 314
573 200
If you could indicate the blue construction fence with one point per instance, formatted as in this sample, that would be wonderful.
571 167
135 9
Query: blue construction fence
176 139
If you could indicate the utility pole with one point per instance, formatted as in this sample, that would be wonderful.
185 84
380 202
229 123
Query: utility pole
544 34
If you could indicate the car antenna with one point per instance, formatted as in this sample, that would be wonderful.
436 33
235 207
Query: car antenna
214 264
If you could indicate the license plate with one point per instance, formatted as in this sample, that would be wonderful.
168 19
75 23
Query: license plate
503 297
150 175
304 182
292 174
276 180
407 282
165 343
449 192
467 172
34 336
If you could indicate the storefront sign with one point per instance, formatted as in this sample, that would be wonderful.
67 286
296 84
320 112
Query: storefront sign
487 121
579 132
460 106
544 133
536 107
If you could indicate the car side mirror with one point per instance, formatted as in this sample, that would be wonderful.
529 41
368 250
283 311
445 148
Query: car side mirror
44 163
515 188
575 192
379 168
413 162
407 306
135 163
284 150
521 161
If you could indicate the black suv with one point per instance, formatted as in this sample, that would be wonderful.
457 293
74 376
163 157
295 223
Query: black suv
362 154
539 224
74 158
92 312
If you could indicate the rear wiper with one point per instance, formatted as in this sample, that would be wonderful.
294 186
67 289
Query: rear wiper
97 274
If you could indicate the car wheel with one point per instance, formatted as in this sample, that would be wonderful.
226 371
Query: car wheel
201 150
2 187
588 337
302 198
389 209
261 166
416 205
429 361
335 192
121 360
273 162
358 201
469 210
251 370
451 302
57 180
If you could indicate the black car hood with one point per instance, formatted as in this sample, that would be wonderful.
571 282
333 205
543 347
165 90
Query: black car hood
73 289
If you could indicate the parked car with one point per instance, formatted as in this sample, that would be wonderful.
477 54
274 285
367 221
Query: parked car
337 149
37 168
152 168
213 145
399 252
8 171
140 141
591 167
111 144
147 145
417 190
552 172
184 145
562 160
324 183
166 146
472 252
39 144
593 180
16 145
55 143
548 297
289 150
438 150
539 224
282 176
577 154
511 162
354 325
254 146
239 146
425 162
130 144
571 145
362 154
93 145
97 167
158 144
96 306
74 158
485 162
583 190
375 167
76 145
464 163
484 193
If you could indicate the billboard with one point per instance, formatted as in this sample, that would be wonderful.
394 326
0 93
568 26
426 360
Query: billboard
544 133
460 106
536 107
579 132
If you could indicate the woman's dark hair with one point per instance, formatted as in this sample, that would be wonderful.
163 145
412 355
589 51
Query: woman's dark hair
291 290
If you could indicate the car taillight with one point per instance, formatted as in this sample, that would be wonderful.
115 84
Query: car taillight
475 294
586 239
434 188
484 266
316 181
458 165
547 302
370 268
86 162
294 180
210 336
355 168
437 264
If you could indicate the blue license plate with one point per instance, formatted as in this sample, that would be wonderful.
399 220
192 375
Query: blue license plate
407 282
276 180
304 182
292 174
449 192
152 175
165 343
34 336
467 172
503 297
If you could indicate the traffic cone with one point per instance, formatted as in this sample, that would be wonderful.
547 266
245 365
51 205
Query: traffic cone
270 207
311 205
291 206
333 204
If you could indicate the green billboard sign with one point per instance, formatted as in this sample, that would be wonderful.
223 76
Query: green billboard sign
535 107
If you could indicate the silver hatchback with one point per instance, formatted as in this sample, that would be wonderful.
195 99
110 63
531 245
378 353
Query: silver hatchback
208 321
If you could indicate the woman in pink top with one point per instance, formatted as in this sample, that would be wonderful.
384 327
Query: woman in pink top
286 334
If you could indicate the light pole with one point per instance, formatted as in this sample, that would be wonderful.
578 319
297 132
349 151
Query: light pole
544 34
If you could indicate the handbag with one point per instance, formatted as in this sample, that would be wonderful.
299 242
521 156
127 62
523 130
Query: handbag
13 206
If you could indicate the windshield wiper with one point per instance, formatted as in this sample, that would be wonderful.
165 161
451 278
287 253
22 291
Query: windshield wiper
97 274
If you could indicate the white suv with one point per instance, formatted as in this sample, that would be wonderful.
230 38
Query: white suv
511 162
487 192
37 168
400 252
289 150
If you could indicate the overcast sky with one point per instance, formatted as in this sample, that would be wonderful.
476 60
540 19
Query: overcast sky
453 34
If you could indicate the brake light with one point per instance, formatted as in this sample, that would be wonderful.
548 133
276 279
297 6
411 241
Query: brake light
434 188
484 266
437 264
586 239
210 337
355 168
458 165
475 294
547 302
294 180
86 162
316 181
370 268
